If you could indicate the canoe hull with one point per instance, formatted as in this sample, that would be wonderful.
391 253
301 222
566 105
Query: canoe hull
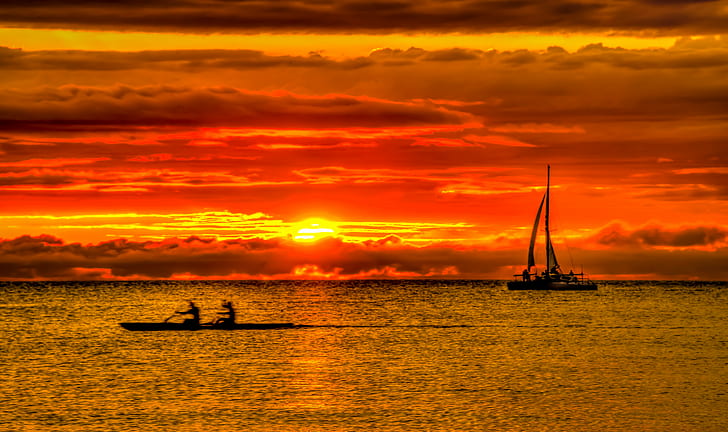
545 285
141 326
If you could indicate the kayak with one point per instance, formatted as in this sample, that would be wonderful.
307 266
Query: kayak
147 326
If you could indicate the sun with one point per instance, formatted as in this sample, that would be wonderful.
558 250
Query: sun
313 229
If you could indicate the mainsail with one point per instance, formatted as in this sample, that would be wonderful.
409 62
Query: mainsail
551 262
534 233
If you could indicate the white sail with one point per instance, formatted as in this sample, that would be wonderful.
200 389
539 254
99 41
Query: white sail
534 233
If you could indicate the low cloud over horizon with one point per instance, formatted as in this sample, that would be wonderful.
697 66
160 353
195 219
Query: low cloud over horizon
615 252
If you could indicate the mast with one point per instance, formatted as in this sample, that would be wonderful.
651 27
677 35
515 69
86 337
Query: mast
546 223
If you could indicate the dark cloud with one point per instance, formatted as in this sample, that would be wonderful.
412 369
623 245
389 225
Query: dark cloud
686 53
678 57
657 236
657 264
37 178
75 106
176 60
377 16
529 86
109 179
47 257
678 188
453 54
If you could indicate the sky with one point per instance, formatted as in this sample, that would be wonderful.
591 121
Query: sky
262 139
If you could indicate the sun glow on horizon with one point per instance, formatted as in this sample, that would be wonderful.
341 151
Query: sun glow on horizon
314 229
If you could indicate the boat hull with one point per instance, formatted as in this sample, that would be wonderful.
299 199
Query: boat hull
550 285
141 326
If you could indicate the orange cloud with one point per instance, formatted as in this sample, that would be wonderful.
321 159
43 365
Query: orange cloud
498 140
141 180
537 128
706 170
51 163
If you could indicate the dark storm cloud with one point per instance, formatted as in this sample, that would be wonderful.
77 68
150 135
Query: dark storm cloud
377 16
76 106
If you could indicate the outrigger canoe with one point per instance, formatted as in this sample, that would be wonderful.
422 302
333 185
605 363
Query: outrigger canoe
161 326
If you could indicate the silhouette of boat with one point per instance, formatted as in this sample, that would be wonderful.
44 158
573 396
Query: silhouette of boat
163 326
552 278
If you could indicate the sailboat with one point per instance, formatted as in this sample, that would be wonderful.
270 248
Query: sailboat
552 278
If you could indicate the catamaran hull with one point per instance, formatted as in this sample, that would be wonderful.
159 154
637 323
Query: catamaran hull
551 286
140 326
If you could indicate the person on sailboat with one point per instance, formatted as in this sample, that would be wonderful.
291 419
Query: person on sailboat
572 277
228 318
526 275
554 273
195 312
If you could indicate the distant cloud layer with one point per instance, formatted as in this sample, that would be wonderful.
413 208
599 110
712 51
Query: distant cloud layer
630 16
687 53
414 119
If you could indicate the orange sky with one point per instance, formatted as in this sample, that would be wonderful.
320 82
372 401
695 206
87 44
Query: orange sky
412 138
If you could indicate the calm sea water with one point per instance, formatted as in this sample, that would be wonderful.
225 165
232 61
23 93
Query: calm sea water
377 356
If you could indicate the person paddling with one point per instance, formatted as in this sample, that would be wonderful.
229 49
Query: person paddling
194 311
228 318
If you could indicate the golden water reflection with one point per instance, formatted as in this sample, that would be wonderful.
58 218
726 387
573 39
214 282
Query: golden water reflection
385 356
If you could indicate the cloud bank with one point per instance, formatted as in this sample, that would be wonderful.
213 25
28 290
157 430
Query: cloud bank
630 254
375 16
164 106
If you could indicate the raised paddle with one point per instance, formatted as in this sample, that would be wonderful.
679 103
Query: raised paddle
170 317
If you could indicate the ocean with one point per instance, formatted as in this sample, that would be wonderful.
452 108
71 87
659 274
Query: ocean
373 356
